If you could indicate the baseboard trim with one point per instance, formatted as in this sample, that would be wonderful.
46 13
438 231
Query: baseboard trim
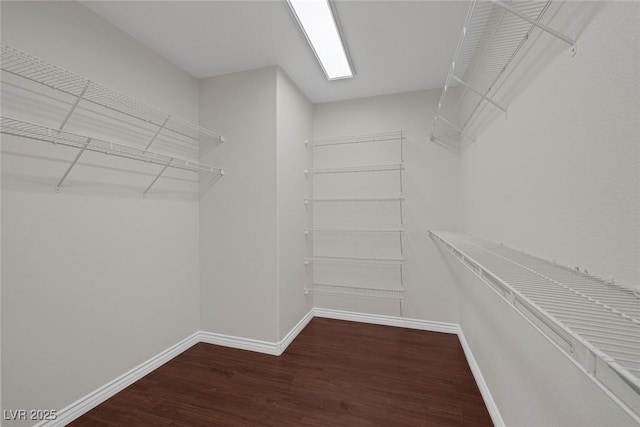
377 319
239 343
482 385
293 333
93 399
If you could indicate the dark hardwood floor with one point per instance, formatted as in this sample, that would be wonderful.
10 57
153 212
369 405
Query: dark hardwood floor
335 373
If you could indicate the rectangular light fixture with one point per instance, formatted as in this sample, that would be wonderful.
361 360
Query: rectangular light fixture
316 19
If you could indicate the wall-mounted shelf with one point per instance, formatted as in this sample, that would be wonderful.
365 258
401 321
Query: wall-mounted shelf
594 323
352 230
356 291
493 34
354 200
357 139
354 260
356 169
24 65
9 126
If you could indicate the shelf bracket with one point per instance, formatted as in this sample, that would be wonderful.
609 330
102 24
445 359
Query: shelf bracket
439 116
157 177
571 42
75 104
75 160
155 135
480 94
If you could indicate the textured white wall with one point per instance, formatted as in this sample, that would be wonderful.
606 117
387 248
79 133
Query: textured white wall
559 178
430 189
294 125
238 219
96 279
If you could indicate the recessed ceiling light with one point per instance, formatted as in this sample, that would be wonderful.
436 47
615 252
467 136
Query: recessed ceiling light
316 19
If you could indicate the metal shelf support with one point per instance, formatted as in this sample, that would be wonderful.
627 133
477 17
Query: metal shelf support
75 104
73 163
157 177
480 94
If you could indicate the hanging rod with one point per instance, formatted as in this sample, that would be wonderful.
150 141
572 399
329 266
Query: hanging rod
32 68
356 169
19 128
357 139
594 323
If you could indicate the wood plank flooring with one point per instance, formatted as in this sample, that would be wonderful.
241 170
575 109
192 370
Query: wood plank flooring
335 373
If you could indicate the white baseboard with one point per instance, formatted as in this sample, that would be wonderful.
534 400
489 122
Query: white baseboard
93 399
377 319
482 385
293 333
239 343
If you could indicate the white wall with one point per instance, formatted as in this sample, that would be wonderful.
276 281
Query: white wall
294 125
96 279
238 216
430 182
558 178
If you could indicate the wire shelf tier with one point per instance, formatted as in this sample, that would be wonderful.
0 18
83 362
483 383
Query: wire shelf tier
356 169
352 230
36 132
357 139
354 200
493 34
355 260
355 291
595 323
32 68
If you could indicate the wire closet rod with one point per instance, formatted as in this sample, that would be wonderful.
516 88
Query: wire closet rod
357 139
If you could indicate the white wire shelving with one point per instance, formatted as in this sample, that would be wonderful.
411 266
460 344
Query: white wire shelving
493 34
357 139
357 266
355 291
354 200
593 322
32 68
354 260
356 169
22 129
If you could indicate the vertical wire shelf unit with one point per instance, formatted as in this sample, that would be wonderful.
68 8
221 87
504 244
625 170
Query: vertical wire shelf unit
82 90
355 261
494 33
595 323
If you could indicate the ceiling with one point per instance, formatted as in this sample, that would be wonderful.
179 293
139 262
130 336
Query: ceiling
395 46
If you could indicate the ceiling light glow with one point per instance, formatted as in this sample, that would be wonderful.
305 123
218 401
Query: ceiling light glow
319 26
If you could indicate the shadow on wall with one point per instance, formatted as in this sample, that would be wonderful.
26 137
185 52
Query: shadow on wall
537 53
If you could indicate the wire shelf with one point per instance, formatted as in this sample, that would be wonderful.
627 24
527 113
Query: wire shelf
354 200
352 230
595 323
493 34
36 132
22 64
357 139
354 260
356 169
356 291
